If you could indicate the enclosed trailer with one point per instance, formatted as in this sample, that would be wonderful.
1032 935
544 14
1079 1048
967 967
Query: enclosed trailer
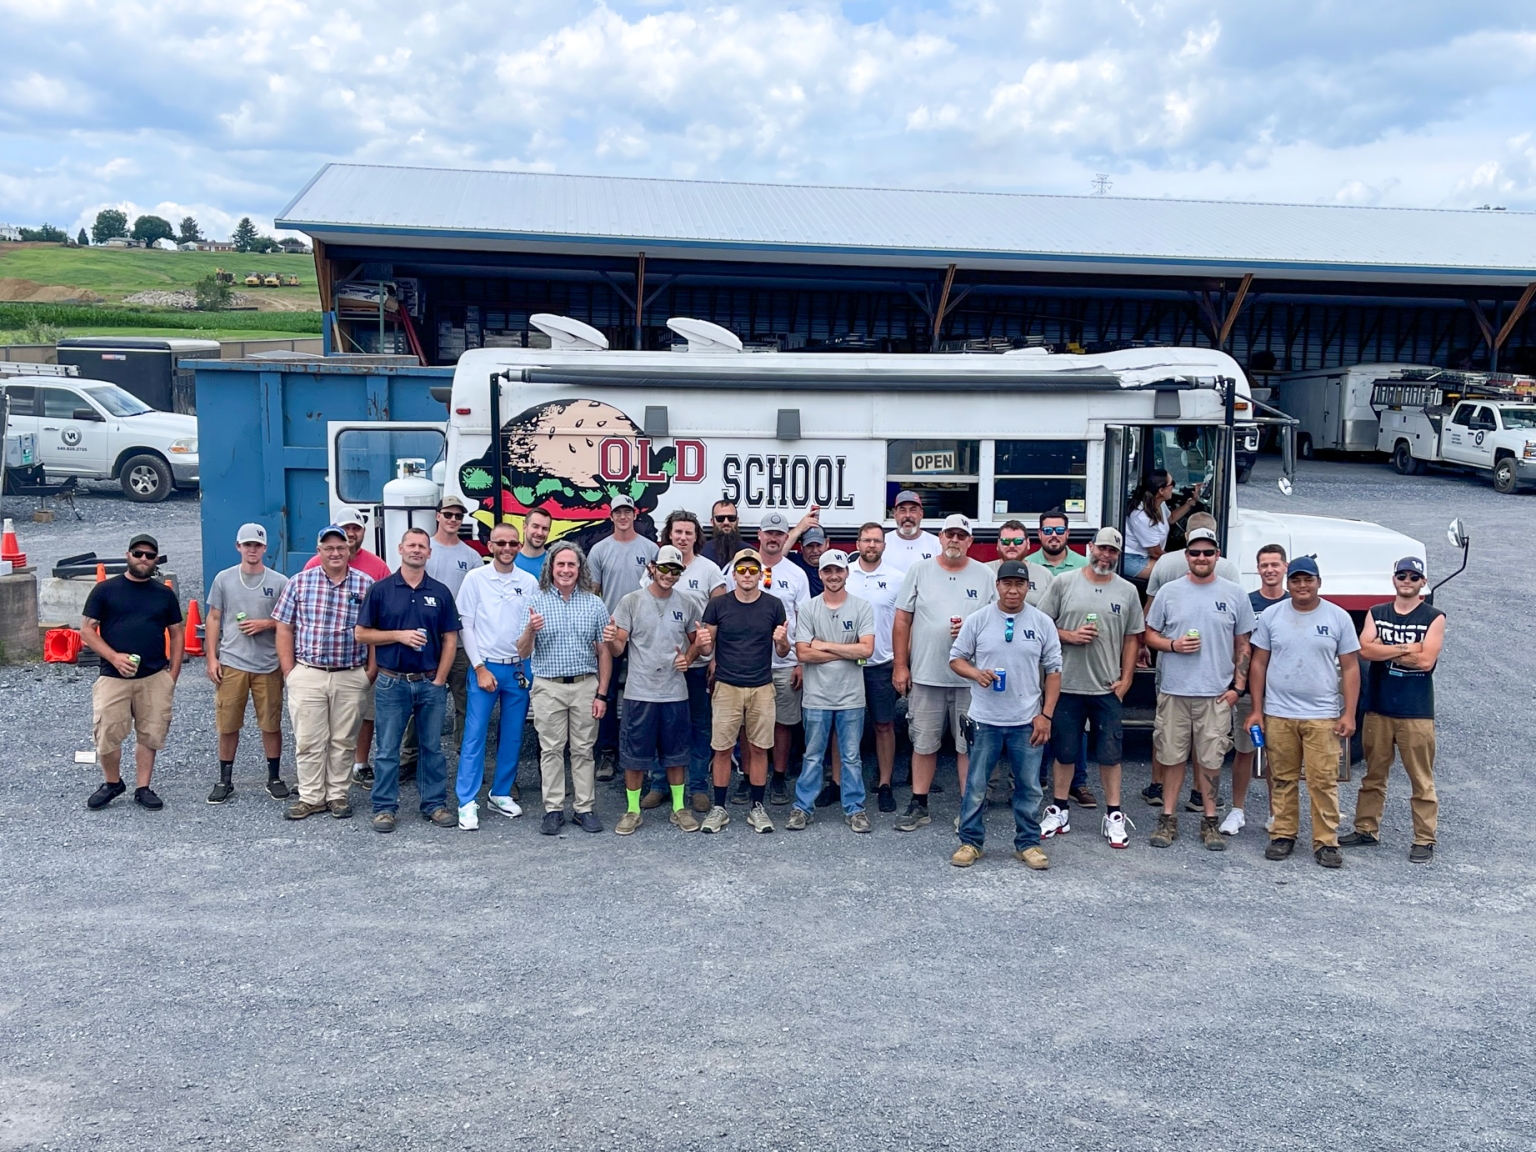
148 367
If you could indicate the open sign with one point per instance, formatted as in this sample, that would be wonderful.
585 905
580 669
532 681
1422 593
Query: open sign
933 462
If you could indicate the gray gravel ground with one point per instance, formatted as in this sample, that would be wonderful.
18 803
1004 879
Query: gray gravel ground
216 976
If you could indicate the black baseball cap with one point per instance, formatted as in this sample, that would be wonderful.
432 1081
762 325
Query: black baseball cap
1013 570
1409 564
144 538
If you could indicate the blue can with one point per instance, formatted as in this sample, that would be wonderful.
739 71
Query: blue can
1257 735
1000 680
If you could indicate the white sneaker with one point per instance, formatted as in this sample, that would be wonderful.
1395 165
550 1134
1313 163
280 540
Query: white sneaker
1234 823
1116 828
469 816
505 805
1055 822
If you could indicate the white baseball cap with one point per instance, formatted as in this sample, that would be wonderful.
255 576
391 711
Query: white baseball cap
832 558
251 534
956 521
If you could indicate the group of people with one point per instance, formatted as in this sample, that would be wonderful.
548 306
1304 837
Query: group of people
686 662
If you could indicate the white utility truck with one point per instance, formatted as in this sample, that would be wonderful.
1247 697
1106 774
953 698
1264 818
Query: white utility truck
993 437
1460 420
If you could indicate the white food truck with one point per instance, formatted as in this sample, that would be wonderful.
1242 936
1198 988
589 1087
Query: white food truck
993 437
1459 420
1332 407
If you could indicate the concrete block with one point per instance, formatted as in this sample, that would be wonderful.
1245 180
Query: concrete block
19 639
65 599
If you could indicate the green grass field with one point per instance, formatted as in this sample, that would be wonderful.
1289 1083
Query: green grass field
113 273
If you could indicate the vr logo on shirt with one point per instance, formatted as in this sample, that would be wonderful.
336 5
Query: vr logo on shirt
882 585
429 601
270 593
1027 634
1221 605
847 625
970 594
1115 608
1322 630
678 616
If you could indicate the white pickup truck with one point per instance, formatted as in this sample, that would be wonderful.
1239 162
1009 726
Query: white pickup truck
1491 435
95 430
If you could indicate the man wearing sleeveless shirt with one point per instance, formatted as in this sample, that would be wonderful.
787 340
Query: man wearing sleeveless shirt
1403 641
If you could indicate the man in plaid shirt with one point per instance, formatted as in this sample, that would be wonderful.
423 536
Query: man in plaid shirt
328 673
571 667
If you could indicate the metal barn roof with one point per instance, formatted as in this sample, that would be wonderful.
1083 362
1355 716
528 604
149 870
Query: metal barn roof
604 215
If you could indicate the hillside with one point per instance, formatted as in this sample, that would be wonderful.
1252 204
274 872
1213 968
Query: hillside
51 273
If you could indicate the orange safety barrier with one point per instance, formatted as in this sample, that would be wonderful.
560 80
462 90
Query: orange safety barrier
61 646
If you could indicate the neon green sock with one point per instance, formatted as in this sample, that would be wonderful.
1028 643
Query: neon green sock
634 798
677 797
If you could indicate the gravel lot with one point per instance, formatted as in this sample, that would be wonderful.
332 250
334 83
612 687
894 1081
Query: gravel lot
218 976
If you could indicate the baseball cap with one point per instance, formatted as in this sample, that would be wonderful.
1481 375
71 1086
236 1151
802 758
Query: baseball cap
145 538
1013 570
1409 564
330 530
1108 538
1303 565
251 534
1201 534
747 554
907 496
832 558
620 502
351 517
667 554
956 521
453 502
773 522
813 536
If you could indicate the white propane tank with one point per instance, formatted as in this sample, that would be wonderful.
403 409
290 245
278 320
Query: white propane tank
410 501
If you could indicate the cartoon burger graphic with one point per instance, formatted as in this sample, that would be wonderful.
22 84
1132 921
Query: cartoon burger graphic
553 458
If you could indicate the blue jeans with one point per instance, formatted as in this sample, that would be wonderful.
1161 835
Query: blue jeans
477 724
992 742
394 702
820 723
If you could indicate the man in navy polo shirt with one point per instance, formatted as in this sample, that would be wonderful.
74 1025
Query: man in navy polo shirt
411 621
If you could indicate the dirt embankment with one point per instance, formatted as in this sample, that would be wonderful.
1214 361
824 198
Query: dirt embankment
32 292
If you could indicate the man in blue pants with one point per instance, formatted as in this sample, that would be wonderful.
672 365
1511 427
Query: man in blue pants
1011 653
493 611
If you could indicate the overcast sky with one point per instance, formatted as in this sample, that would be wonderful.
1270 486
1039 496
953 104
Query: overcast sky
223 109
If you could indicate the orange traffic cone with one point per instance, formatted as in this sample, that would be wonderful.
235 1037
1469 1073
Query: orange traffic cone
172 587
194 642
9 548
101 572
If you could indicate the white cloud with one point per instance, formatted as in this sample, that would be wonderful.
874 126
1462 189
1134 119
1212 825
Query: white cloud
230 109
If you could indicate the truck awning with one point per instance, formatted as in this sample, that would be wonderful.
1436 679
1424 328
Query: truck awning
841 381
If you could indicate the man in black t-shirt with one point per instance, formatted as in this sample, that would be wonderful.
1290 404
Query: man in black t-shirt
133 622
1402 640
746 629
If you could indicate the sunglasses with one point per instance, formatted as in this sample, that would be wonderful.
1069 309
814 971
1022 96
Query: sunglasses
503 543
726 519
140 554
1010 539
748 569
447 515
1200 552
1058 531
673 569
1008 631
1413 576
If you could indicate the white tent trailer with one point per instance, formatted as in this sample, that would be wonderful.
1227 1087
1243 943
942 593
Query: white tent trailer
993 437
1332 407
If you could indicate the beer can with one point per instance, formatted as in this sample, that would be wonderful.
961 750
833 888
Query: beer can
239 616
1091 618
1193 634
1000 680
1256 733
956 619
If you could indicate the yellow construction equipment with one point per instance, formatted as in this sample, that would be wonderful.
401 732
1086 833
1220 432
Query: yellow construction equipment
272 280
223 277
290 281
252 280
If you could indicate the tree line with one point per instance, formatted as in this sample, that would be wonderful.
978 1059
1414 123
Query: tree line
112 223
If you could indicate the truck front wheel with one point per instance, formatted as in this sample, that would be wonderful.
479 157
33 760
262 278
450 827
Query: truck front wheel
146 479
1403 462
1505 478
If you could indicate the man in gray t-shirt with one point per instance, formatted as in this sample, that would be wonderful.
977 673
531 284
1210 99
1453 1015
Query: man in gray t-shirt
241 658
617 562
834 636
659 627
1303 648
1199 625
936 595
1011 655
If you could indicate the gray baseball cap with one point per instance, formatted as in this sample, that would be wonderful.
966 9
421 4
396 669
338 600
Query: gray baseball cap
813 536
907 496
773 522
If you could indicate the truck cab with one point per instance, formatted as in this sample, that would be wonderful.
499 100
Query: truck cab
1492 434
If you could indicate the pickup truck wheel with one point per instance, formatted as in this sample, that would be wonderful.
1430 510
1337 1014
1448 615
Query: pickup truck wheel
1403 462
146 479
1505 479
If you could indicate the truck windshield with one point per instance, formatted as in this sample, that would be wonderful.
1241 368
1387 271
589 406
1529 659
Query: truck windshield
1519 417
116 401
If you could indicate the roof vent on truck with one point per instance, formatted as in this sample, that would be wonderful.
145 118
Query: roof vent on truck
569 335
702 336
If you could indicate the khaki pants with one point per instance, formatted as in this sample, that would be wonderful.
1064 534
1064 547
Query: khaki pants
1415 743
326 709
1290 746
562 714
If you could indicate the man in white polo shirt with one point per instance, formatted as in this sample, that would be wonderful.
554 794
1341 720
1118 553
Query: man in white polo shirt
907 543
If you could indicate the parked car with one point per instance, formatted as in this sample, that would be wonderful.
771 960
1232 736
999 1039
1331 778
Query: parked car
97 431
